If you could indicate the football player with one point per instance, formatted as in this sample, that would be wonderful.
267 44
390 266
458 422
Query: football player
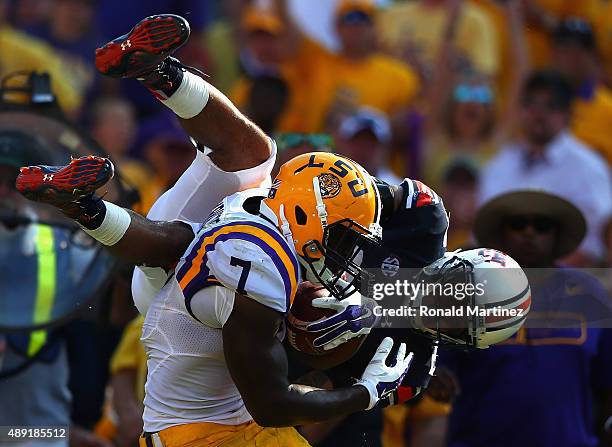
413 216
217 370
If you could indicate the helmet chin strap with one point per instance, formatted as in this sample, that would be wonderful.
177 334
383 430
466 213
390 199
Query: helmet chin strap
285 229
321 211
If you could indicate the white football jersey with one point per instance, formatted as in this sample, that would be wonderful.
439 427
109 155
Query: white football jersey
243 252
201 187
234 251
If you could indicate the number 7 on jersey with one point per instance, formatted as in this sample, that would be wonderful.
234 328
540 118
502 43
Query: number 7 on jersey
246 268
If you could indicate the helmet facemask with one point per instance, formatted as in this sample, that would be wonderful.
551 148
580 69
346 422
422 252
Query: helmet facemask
336 261
463 333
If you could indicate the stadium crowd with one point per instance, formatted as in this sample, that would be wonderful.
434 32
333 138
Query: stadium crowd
479 99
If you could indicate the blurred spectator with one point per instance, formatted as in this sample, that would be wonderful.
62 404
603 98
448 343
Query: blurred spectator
601 18
21 52
29 13
418 27
549 157
575 55
274 47
222 41
316 19
323 87
114 128
169 153
466 123
71 31
122 420
266 102
422 425
542 385
364 137
497 11
542 17
291 145
464 130
363 76
459 188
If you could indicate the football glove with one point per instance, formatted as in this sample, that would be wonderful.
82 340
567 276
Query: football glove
354 317
381 380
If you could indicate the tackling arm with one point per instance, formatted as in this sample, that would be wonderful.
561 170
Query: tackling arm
258 365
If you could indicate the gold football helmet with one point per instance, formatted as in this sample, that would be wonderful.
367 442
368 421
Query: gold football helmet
328 206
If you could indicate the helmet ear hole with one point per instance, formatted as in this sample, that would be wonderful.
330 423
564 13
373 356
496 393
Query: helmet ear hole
300 216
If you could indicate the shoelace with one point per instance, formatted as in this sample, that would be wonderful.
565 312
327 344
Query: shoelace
175 62
159 79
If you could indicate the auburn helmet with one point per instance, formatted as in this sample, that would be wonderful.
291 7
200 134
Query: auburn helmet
494 310
328 206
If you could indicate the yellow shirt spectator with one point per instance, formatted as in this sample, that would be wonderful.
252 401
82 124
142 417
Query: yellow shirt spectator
318 81
130 354
305 75
423 26
220 43
601 18
321 83
397 418
19 51
378 81
591 120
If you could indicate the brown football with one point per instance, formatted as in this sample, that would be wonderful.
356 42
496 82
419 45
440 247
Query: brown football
301 314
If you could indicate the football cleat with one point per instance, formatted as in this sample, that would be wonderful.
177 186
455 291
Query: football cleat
140 51
63 185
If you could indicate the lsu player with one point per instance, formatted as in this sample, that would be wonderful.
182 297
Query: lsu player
217 371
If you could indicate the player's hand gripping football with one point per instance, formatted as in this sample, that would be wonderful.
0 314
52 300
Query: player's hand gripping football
354 317
381 380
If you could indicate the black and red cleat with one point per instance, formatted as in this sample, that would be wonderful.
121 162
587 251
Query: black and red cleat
140 51
62 185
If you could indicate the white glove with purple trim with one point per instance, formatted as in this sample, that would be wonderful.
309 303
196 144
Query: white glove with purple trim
381 380
354 317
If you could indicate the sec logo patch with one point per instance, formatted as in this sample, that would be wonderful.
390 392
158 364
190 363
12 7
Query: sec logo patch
390 266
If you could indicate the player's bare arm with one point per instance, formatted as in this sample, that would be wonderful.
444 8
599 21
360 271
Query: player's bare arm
206 113
235 141
258 364
152 243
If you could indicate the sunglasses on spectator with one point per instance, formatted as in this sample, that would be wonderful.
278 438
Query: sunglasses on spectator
541 225
318 142
480 94
355 18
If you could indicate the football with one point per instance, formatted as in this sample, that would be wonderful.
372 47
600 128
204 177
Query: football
301 314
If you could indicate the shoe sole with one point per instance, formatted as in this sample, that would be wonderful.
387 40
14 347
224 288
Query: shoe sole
81 177
147 44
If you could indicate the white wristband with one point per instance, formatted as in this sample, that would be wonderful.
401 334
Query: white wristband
190 98
113 227
372 391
